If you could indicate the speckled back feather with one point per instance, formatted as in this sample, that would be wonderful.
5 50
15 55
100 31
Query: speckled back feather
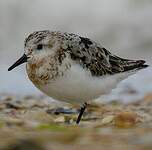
97 59
89 54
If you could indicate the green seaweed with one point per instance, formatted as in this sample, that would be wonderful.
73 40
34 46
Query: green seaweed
52 127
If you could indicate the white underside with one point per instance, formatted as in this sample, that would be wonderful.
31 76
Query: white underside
78 86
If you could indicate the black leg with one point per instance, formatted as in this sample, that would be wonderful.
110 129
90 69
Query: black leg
81 112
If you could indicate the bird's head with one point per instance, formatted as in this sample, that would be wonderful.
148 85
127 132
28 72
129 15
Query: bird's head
37 45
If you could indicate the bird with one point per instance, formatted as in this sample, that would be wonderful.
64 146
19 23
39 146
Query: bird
72 68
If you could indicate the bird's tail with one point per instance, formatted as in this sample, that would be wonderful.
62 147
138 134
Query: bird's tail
134 64
122 65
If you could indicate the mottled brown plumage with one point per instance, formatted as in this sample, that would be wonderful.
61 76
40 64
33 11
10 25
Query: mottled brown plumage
87 53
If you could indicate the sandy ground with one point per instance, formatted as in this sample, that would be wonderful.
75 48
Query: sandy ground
37 123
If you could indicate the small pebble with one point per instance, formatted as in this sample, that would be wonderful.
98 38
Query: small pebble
60 119
125 119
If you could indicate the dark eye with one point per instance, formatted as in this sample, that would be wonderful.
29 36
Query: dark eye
39 47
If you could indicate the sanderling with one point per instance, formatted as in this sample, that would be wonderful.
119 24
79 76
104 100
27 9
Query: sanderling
72 68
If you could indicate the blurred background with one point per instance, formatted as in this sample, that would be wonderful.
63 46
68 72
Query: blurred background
122 26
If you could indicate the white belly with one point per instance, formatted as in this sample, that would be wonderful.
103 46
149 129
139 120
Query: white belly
77 85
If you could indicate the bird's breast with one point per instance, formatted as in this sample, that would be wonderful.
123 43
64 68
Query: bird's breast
70 82
75 85
46 70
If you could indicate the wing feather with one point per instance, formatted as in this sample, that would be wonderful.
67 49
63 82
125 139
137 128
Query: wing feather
97 59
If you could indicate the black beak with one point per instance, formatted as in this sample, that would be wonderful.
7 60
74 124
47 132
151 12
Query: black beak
20 61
